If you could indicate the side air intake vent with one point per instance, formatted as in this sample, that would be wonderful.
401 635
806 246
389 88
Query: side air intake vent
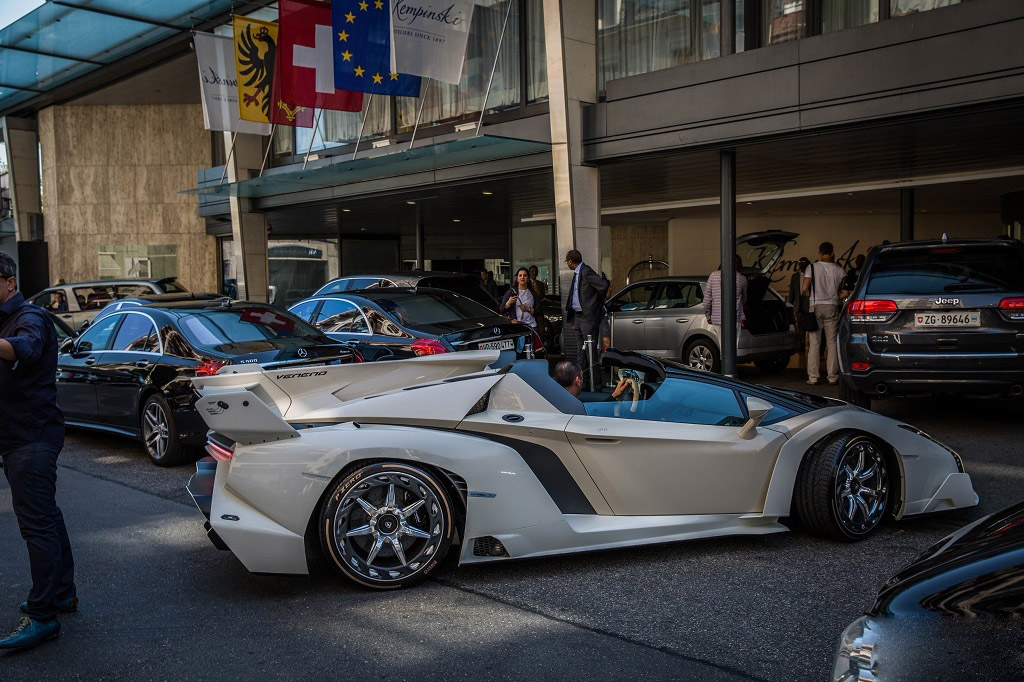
489 546
480 405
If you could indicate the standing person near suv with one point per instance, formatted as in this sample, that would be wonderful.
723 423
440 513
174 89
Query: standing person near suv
31 438
822 285
713 299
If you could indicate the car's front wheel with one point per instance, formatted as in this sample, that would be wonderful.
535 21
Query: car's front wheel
387 525
842 488
702 354
159 433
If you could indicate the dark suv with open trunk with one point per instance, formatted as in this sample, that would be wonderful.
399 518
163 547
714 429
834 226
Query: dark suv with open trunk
935 317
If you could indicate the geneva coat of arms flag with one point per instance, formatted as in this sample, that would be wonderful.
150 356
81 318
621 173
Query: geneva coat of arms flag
306 60
256 61
362 49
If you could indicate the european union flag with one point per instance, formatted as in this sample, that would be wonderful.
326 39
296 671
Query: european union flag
362 49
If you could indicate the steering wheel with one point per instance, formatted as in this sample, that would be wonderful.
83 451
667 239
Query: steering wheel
634 386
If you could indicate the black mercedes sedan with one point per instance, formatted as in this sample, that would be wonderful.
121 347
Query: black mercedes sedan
403 322
954 613
130 372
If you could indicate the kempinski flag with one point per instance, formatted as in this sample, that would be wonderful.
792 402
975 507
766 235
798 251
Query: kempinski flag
307 58
428 38
362 49
256 61
219 84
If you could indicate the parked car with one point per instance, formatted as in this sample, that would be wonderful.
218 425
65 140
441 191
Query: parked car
664 317
62 328
403 322
462 283
82 301
129 372
941 316
954 613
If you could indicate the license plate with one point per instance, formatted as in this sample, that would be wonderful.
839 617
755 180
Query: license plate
506 344
951 318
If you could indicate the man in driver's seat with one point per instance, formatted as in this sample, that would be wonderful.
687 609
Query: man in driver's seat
569 376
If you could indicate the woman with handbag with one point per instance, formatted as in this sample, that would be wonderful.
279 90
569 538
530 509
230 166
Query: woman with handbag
522 302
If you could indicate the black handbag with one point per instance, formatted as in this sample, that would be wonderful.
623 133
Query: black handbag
805 319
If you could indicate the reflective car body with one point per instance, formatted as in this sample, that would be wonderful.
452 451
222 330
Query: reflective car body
106 375
403 322
536 470
83 300
952 613
465 284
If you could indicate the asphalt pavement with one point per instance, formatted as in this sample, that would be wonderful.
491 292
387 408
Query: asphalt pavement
160 602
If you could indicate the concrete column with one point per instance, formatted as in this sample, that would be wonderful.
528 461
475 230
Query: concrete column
21 138
906 214
248 227
570 35
728 250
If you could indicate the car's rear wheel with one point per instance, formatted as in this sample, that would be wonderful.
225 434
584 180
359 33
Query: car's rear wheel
772 365
159 432
702 354
387 525
851 395
842 488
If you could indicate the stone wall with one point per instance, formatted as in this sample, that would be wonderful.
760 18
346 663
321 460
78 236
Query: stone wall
634 243
111 177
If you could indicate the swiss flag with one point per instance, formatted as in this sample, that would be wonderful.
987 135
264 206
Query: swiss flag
306 57
265 317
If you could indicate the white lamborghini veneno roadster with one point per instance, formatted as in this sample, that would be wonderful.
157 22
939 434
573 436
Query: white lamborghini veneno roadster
385 467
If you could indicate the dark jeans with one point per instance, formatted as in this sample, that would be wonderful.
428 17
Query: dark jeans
32 472
583 327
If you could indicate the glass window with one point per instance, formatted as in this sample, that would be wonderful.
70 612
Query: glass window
55 301
534 246
349 284
640 36
635 298
298 267
99 335
248 330
228 258
136 334
899 8
93 298
676 295
423 310
131 290
947 269
837 15
304 310
681 401
444 102
336 128
536 54
382 326
282 140
138 261
341 317
784 20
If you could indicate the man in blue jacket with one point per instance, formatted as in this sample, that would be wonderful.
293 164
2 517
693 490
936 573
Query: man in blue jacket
31 437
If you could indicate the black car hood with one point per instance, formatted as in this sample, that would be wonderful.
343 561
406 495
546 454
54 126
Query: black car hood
977 570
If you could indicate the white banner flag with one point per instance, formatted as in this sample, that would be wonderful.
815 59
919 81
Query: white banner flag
429 39
217 79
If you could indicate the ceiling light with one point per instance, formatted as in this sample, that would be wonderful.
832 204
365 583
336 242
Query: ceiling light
346 210
456 220
749 203
849 194
411 203
488 193
362 229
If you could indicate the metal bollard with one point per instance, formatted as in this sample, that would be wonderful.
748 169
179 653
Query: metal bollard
589 346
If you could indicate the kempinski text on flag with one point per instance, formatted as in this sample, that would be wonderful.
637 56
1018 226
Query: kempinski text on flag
256 62
306 63
362 49
429 39
219 85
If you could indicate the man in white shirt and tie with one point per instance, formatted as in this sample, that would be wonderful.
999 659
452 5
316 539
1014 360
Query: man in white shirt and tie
585 305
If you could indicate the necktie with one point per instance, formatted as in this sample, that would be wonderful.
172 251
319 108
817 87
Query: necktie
572 291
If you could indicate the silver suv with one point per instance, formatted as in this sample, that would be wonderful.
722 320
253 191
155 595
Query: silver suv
664 317
79 303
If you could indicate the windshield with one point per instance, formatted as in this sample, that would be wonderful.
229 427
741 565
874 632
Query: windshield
422 309
248 330
944 269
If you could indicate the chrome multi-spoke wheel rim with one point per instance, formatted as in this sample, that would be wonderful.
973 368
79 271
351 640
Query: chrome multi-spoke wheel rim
389 526
155 431
861 487
701 358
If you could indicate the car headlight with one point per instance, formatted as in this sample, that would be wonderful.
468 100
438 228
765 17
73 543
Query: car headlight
857 657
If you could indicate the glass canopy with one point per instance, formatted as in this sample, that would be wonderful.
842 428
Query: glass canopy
66 39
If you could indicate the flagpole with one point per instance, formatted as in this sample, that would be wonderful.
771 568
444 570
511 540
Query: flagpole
494 66
366 113
312 138
419 112
234 134
266 155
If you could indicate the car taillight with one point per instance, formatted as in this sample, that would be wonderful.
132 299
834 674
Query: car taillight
1013 308
428 347
208 368
860 366
219 452
871 311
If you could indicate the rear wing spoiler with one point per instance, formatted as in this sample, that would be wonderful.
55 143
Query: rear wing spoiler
308 393
243 417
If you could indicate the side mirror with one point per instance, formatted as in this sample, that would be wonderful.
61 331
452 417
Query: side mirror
757 409
68 345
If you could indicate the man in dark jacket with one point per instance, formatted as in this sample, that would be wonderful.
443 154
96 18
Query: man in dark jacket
585 306
31 437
